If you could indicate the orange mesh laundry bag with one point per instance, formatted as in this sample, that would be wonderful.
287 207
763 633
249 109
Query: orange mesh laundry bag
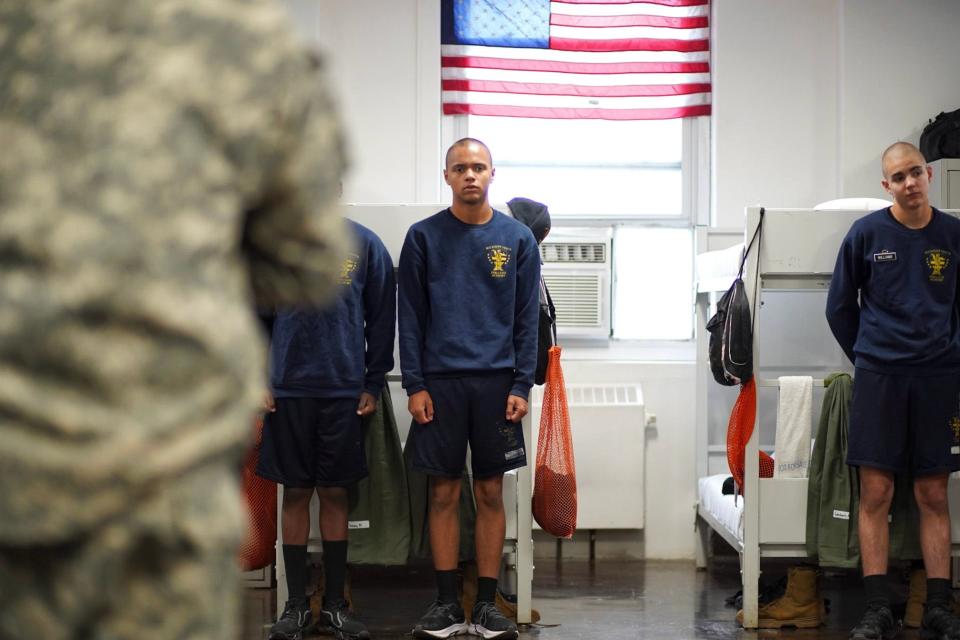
258 549
739 428
555 479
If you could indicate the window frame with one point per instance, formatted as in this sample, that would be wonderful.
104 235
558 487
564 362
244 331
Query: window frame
694 212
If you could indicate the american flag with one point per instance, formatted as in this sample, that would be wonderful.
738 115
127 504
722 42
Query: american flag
605 59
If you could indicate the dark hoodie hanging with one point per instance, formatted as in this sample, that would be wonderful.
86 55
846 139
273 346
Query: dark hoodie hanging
536 216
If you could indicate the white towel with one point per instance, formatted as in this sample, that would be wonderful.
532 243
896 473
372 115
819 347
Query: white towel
793 427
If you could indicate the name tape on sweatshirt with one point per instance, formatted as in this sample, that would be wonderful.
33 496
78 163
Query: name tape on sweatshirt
885 256
358 524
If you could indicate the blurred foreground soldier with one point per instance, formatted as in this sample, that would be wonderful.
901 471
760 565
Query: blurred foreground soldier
169 164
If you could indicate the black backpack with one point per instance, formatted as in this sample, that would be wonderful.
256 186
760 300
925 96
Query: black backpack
546 332
941 137
731 329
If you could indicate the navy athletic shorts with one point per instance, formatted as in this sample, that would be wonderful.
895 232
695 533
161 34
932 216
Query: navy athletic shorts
905 423
313 442
470 409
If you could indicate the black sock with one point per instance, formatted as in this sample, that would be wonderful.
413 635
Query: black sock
486 589
875 588
938 593
447 586
334 568
295 564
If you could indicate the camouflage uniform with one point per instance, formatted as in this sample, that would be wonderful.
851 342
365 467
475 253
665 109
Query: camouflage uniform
166 165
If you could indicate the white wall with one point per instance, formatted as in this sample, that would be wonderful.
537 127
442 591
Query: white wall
384 64
774 105
901 67
808 94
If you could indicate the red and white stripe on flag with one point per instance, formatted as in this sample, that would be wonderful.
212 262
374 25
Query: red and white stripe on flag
612 60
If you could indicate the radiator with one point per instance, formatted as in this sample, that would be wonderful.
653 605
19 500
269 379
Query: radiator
608 425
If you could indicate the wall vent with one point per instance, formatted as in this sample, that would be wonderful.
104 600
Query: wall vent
577 297
608 395
574 252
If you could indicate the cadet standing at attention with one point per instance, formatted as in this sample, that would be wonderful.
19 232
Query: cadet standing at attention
327 369
468 310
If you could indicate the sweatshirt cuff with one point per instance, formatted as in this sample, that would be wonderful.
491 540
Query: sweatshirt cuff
415 387
520 390
373 388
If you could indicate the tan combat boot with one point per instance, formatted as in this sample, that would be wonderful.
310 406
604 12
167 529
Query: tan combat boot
916 599
800 606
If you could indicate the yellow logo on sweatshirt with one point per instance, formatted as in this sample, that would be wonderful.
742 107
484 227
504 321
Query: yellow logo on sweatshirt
498 256
348 268
937 260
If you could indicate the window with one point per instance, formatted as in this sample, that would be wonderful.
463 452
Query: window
653 283
588 168
625 176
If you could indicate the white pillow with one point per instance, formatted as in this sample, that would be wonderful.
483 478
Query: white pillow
854 204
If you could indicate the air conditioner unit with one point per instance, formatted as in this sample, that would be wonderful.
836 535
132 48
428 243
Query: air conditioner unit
577 270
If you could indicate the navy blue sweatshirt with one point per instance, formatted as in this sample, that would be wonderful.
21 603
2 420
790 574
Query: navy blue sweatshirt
906 321
468 300
347 348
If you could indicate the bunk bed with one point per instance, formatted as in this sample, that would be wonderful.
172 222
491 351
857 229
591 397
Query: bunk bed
797 252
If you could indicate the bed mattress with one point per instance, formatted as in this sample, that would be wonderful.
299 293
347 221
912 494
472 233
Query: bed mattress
721 507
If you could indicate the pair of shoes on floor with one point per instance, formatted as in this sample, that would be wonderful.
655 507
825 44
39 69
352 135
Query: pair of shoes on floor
297 619
799 606
877 623
444 620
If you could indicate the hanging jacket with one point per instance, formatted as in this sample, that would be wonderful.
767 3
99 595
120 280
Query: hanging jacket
379 510
833 491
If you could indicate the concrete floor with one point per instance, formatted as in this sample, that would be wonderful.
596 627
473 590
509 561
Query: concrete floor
610 599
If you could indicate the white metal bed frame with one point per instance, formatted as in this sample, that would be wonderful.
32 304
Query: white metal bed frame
798 251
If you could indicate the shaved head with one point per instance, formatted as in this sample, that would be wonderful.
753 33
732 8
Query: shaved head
898 149
462 142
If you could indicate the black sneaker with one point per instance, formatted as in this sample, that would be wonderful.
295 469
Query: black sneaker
294 620
490 623
939 624
336 615
441 620
877 623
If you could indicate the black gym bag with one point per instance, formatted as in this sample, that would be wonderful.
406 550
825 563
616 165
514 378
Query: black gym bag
941 137
731 328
